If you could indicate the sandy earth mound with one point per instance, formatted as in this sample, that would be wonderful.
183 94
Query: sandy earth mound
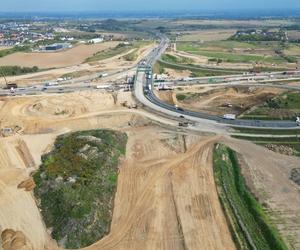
219 101
166 196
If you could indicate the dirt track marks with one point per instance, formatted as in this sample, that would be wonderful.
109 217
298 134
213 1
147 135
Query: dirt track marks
170 204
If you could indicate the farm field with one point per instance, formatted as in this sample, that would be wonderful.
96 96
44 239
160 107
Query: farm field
206 35
121 50
234 52
70 57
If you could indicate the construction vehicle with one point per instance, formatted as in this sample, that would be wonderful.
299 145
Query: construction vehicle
183 124
11 86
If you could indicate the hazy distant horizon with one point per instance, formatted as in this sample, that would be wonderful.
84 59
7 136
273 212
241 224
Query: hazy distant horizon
153 5
239 14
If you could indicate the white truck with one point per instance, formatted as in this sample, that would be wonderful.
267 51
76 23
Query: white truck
103 75
51 84
102 86
229 116
298 121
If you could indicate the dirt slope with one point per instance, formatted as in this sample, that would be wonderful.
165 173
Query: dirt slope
166 201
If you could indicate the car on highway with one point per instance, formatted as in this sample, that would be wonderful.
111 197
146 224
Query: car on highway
298 121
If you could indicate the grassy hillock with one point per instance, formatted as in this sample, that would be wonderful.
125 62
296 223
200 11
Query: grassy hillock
250 225
118 50
76 184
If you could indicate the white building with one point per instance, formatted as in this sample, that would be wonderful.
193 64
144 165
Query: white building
96 40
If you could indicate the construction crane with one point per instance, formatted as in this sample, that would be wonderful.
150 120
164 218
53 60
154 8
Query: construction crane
10 86
4 78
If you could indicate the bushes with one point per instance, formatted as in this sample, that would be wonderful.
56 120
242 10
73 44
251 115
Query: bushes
16 70
7 52
181 97
76 184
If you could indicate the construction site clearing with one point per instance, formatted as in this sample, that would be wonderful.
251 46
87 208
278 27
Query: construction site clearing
166 195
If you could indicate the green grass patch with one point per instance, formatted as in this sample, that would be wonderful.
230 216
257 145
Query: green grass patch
274 139
6 52
17 70
250 226
176 59
268 131
222 50
188 96
76 184
161 66
119 49
181 97
282 107
132 56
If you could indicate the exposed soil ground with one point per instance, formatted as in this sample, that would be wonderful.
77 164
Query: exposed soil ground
218 101
46 60
166 196
110 65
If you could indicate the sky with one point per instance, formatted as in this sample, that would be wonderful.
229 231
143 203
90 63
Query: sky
132 5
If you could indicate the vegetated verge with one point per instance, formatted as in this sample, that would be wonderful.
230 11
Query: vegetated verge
161 66
76 184
121 48
13 50
17 70
285 106
250 226
292 143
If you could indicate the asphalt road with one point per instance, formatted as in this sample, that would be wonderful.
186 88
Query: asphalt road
144 93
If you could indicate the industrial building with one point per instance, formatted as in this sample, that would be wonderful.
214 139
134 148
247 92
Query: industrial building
57 46
96 40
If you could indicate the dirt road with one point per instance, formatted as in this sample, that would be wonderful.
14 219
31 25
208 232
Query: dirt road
166 196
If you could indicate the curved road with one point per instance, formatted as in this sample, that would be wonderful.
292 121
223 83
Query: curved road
143 89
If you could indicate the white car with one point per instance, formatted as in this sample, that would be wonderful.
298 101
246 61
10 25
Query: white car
298 121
